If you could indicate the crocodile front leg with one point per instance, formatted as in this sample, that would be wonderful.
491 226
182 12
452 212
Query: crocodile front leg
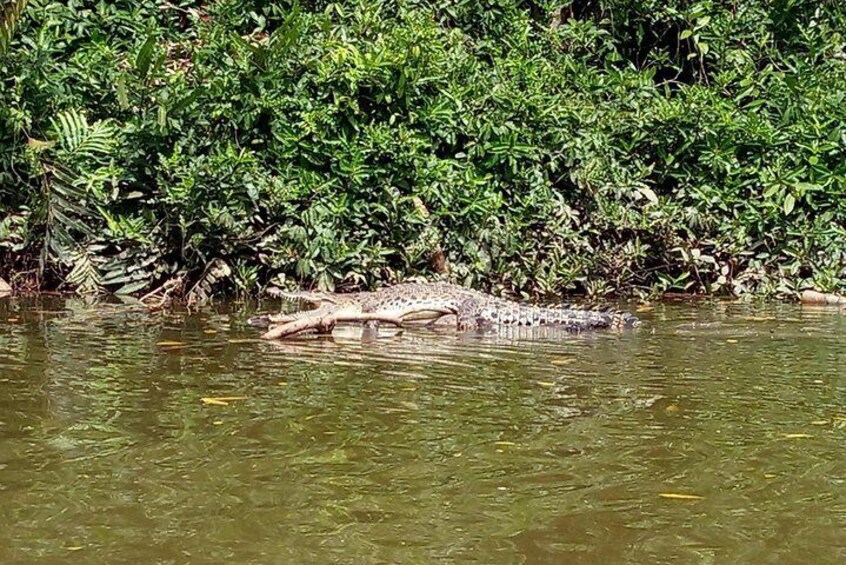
469 315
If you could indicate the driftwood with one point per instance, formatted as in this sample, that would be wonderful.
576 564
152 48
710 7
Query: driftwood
814 297
324 324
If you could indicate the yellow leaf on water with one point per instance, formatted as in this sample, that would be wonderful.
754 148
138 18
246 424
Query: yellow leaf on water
797 436
169 343
210 332
214 402
562 361
731 341
13 320
504 443
769 476
410 405
217 422
545 383
819 422
75 547
220 400
645 308
680 496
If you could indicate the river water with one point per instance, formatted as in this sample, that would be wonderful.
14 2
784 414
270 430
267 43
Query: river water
714 434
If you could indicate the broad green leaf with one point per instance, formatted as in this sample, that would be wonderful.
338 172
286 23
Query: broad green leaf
145 56
789 203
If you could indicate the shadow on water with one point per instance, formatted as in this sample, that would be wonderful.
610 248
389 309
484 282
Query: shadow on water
421 445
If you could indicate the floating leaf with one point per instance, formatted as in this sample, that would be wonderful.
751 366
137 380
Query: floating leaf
680 496
214 402
563 361
170 343
797 436
220 400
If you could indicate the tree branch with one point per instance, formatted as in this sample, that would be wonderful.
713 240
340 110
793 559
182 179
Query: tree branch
323 324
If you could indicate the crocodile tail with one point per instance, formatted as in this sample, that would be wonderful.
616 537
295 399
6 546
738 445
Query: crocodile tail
586 317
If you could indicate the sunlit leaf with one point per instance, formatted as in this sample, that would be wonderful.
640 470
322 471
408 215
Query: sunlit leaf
789 203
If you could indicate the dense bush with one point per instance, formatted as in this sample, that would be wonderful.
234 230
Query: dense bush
591 146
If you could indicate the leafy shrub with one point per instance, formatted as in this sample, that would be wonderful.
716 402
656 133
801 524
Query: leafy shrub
593 146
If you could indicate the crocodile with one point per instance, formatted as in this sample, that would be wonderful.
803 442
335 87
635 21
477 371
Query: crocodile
431 301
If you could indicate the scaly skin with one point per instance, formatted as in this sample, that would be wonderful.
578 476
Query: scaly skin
430 301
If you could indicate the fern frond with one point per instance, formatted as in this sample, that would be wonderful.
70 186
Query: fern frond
10 14
69 167
78 138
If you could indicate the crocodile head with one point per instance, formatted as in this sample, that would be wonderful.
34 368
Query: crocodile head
310 303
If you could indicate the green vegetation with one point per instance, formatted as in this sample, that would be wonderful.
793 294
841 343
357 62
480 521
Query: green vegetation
589 146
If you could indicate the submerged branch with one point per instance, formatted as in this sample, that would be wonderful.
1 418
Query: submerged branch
324 324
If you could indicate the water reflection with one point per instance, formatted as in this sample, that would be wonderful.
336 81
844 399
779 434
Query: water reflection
422 445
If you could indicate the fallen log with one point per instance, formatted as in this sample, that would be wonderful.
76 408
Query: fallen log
814 297
324 324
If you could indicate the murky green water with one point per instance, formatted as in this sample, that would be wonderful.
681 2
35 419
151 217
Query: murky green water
421 447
